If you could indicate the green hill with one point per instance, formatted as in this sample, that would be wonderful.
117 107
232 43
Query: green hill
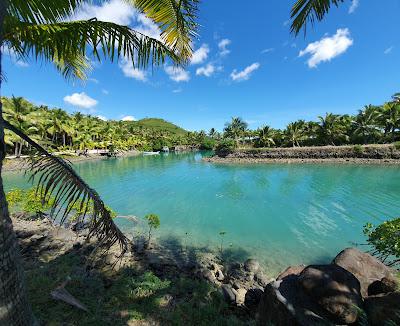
162 125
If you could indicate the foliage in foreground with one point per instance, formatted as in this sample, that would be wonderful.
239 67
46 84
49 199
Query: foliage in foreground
385 238
124 297
30 201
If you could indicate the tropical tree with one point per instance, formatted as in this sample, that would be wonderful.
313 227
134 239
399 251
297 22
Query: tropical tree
266 136
41 29
332 129
390 118
365 124
235 129
294 133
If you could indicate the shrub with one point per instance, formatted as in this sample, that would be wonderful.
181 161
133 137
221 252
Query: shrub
358 149
385 238
397 145
146 285
207 144
224 147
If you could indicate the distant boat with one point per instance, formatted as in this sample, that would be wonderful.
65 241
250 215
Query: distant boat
151 153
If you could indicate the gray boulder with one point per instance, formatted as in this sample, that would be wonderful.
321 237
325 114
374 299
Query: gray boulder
335 290
366 268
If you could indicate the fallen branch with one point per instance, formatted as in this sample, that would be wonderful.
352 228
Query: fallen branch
60 293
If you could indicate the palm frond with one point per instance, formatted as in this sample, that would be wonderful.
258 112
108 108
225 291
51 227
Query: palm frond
40 11
67 43
177 22
308 11
57 179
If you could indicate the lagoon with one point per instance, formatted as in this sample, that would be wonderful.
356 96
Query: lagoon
280 214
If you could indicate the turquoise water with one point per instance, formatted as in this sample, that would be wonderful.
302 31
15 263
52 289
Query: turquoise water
280 214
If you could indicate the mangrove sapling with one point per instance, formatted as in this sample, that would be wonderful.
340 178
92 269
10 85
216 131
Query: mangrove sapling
221 248
153 222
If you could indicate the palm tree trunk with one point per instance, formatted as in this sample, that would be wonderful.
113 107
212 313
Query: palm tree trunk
16 149
14 306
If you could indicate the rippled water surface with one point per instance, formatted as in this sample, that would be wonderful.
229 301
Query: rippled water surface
280 214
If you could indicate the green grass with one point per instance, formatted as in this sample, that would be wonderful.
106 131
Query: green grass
118 298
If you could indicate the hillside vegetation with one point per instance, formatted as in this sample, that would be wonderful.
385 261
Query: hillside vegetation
57 130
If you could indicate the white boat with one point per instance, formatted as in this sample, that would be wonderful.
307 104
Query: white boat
151 153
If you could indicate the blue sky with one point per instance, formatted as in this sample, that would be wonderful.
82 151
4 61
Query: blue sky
246 64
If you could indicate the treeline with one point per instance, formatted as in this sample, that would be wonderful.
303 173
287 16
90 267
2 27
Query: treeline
58 130
373 124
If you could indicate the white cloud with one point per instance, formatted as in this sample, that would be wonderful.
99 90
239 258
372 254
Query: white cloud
105 92
93 80
388 50
81 100
177 74
244 74
223 47
178 90
102 117
115 11
131 72
200 55
207 70
14 57
129 118
267 50
147 27
354 6
328 47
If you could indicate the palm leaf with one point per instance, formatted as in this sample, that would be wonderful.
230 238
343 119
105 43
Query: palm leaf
67 43
176 19
308 11
42 11
57 179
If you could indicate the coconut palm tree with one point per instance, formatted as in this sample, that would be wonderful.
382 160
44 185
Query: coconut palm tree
294 133
365 123
389 116
331 129
41 29
235 129
266 136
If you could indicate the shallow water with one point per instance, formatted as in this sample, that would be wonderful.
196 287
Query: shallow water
281 214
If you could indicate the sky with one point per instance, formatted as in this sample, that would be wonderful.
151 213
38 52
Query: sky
246 63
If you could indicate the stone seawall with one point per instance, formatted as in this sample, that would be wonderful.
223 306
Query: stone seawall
362 154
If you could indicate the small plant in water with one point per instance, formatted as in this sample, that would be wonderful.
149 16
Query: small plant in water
153 222
221 247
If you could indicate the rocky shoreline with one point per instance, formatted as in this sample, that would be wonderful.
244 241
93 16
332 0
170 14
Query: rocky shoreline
355 285
367 154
